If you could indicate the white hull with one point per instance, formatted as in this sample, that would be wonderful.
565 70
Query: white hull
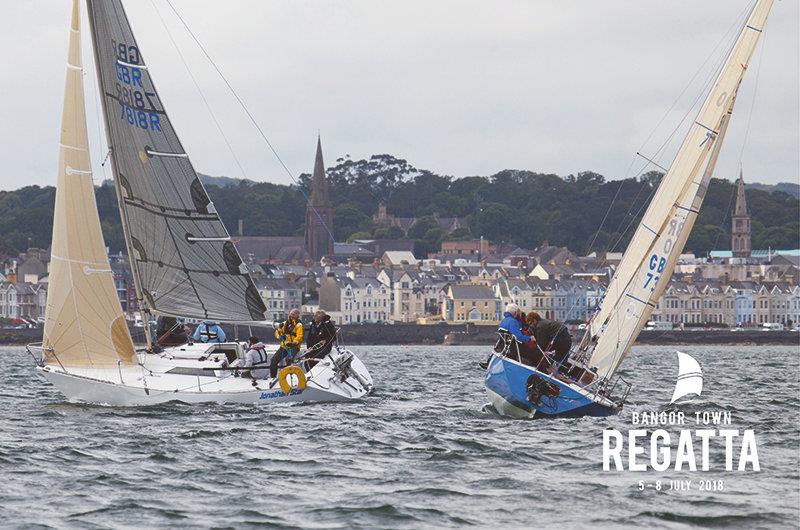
151 383
504 408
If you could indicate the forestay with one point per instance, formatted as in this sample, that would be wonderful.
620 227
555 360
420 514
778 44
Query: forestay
84 324
183 259
649 260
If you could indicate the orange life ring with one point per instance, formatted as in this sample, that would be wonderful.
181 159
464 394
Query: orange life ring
283 375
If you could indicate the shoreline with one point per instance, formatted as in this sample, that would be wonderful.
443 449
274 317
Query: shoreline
419 335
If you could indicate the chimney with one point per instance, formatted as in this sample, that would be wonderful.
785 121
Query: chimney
241 227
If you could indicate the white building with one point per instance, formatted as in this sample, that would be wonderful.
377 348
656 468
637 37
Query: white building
355 300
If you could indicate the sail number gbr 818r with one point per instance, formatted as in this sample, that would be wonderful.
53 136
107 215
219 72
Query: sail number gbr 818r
137 106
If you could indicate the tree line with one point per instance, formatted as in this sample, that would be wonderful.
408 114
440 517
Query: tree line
523 208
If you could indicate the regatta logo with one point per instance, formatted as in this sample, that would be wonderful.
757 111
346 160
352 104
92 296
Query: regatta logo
711 433
690 378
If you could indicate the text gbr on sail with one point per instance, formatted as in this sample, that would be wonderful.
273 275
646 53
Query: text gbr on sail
137 107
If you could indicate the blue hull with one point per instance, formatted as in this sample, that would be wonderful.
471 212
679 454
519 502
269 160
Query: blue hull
506 383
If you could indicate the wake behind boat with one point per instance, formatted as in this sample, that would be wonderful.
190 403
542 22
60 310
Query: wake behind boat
183 261
585 383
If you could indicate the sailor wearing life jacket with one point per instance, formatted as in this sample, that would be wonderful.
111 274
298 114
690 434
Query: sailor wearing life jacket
256 355
290 335
209 331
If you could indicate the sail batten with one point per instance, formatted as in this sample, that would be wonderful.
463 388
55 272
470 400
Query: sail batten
650 258
84 324
182 257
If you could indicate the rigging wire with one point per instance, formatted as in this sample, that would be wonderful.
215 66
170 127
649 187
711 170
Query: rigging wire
251 118
618 352
746 130
713 53
95 89
711 76
199 90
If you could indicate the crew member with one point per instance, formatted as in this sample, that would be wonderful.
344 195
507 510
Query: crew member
551 335
290 336
510 324
208 331
321 335
256 355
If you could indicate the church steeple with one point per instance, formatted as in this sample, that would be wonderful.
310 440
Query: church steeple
319 212
319 183
740 223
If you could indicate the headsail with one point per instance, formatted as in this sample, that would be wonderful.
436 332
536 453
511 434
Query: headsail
648 262
84 324
182 257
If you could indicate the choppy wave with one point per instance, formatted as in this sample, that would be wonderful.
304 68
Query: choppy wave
424 451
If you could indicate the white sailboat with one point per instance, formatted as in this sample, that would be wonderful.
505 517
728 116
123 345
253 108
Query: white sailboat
586 384
183 261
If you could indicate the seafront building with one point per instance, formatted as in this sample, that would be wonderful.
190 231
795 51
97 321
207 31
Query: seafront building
382 280
397 289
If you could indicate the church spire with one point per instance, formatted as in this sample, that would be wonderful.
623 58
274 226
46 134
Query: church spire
740 223
319 183
319 212
741 202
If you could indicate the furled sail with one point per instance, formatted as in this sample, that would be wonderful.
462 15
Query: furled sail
649 260
84 324
182 257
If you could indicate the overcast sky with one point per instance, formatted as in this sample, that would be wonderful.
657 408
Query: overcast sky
458 87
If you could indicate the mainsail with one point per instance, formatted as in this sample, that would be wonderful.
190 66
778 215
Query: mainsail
84 324
182 257
649 260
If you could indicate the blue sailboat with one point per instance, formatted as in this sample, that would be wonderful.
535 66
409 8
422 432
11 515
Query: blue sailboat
586 382
519 390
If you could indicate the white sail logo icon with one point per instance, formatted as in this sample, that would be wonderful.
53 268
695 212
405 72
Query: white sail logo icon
690 377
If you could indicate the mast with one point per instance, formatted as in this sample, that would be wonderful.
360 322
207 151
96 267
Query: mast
84 324
650 258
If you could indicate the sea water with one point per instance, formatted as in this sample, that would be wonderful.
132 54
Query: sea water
423 451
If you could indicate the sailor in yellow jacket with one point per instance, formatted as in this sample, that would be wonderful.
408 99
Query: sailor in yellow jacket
290 335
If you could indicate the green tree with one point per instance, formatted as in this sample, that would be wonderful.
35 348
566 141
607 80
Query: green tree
392 232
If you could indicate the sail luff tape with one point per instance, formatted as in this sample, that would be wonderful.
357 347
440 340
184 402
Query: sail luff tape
168 155
71 171
131 65
192 238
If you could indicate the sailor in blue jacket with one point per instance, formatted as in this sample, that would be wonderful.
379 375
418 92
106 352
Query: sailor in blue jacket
510 324
208 331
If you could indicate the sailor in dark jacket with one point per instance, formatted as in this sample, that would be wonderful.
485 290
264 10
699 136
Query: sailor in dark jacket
321 336
551 335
